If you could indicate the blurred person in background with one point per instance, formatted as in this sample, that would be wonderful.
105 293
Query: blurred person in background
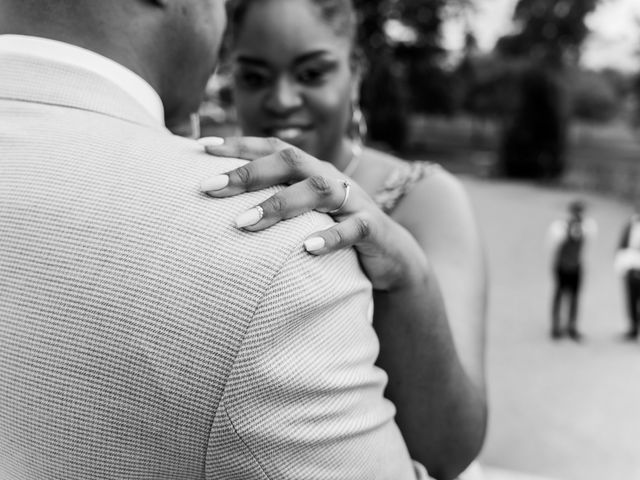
627 264
296 78
567 239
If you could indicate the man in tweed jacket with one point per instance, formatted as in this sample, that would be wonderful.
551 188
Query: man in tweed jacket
142 336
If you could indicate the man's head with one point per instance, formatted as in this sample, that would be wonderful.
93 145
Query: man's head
172 44
576 208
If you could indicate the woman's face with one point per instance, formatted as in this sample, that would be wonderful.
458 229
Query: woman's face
293 77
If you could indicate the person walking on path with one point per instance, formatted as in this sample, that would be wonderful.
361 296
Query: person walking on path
627 264
567 239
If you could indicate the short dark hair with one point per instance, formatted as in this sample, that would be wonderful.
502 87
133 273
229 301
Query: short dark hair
576 206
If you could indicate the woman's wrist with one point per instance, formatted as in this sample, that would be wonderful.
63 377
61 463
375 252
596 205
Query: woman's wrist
410 269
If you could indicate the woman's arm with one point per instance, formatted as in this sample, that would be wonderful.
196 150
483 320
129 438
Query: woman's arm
439 217
441 412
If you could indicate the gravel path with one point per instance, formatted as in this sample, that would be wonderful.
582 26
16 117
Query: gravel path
563 410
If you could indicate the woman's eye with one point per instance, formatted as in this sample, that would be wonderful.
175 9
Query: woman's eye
309 76
251 79
313 75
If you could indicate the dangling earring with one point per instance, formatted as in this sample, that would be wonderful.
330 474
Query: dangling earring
357 134
358 127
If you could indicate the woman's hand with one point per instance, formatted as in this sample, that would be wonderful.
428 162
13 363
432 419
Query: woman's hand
386 250
440 412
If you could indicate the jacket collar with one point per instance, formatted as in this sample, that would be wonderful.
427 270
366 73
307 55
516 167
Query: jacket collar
55 80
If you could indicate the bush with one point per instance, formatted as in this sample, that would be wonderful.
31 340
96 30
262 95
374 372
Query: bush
534 140
384 105
593 97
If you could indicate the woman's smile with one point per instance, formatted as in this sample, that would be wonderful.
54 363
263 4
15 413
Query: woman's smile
291 134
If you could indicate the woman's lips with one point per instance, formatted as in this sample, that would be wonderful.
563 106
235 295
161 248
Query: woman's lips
288 134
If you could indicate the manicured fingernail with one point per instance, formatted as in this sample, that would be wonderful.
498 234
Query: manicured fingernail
211 141
214 183
250 217
314 243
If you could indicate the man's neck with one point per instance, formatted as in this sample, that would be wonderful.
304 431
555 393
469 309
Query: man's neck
96 26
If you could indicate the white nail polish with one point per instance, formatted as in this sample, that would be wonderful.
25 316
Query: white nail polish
214 183
211 141
314 243
248 218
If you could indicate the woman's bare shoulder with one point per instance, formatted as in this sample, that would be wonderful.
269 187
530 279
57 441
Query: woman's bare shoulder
432 198
375 167
396 183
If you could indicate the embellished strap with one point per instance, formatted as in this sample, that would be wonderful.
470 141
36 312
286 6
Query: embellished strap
401 181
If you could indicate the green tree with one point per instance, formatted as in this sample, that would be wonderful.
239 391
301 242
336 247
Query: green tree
549 31
409 69
596 96
636 95
372 16
534 139
489 90
549 35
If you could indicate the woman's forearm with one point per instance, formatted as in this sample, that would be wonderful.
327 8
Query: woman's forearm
441 413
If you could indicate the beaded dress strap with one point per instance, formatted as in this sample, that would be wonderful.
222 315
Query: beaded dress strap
401 181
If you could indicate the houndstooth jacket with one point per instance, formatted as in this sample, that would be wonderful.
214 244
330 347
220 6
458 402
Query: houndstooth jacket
142 336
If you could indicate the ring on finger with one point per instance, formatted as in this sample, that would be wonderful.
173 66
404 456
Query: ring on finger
347 191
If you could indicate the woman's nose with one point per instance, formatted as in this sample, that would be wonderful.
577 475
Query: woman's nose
283 97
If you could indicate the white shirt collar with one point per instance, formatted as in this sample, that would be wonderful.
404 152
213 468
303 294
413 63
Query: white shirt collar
47 49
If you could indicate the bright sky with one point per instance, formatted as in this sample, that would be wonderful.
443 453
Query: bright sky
613 43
